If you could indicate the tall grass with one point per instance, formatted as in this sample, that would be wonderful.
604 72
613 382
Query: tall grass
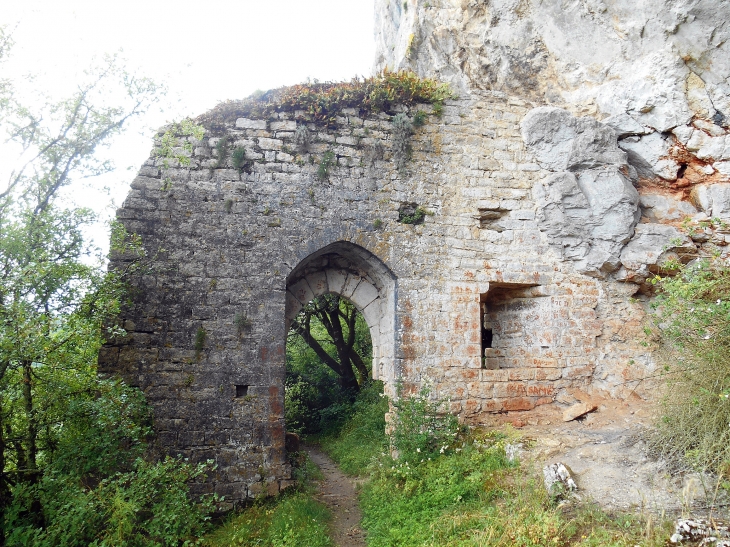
693 325
358 440
293 519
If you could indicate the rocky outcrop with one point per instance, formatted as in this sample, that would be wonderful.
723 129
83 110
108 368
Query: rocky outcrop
660 62
657 72
588 207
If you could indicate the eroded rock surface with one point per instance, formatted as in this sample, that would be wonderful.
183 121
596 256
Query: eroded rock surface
589 207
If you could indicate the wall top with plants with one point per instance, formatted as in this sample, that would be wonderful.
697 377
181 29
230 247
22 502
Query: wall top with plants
322 102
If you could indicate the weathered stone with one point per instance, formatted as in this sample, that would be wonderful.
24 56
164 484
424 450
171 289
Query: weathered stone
649 154
561 141
590 209
663 208
653 244
714 532
534 268
578 410
625 125
558 481
713 199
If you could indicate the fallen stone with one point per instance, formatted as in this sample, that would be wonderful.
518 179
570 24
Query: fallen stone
577 410
558 481
702 530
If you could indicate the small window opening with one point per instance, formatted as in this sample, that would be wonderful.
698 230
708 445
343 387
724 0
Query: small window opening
486 338
241 391
487 333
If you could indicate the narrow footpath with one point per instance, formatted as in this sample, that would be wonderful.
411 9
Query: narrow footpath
337 491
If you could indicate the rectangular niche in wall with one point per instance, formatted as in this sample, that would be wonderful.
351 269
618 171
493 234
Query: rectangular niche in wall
241 390
509 317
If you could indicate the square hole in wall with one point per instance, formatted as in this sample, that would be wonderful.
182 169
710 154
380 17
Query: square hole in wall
241 391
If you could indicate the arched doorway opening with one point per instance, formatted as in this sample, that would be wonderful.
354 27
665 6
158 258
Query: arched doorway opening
342 291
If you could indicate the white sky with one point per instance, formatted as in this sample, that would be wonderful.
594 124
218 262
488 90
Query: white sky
206 52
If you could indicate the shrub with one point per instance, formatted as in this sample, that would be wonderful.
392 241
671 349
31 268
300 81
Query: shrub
419 118
356 436
323 102
239 158
97 489
325 165
410 213
221 149
693 322
421 427
291 519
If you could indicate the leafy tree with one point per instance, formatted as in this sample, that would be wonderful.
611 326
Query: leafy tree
327 351
339 317
68 440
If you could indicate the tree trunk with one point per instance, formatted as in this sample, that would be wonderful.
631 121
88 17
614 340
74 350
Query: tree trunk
4 488
32 433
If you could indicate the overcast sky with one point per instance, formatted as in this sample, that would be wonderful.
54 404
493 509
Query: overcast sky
205 52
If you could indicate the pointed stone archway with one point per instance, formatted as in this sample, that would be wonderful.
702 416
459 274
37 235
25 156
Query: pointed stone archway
352 272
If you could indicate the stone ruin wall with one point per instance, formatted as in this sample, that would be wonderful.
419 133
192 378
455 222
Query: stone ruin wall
525 285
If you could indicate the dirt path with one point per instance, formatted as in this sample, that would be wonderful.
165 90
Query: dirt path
337 491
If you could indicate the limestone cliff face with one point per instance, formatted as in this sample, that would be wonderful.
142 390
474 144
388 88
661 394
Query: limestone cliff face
660 60
657 71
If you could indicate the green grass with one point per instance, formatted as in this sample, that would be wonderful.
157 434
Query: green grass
292 519
361 440
470 495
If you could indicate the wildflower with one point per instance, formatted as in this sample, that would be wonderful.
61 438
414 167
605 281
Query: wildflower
418 450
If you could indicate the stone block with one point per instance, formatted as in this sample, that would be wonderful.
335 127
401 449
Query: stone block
245 123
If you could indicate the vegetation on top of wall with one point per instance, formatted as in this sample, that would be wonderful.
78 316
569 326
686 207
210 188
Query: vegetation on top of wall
322 102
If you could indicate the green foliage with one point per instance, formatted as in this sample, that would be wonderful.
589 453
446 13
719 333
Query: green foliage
422 427
315 393
419 118
326 164
239 158
377 223
71 444
292 519
146 506
412 215
175 146
356 436
411 45
323 102
221 150
693 323
228 205
199 345
469 495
